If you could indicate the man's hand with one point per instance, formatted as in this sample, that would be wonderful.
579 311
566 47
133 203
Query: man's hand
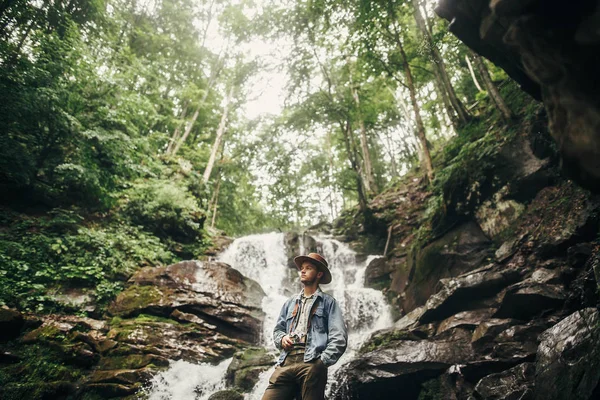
286 342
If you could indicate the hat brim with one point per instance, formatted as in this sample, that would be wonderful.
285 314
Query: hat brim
320 266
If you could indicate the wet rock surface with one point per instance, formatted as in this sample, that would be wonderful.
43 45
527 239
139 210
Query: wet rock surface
568 363
215 293
246 366
192 311
521 323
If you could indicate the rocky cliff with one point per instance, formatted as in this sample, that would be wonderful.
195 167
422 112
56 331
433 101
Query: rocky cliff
494 289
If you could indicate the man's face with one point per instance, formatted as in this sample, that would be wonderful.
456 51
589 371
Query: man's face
309 273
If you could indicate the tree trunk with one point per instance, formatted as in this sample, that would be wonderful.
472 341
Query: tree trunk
390 149
438 61
473 76
441 91
177 132
215 203
370 184
426 156
352 156
491 88
330 176
215 72
220 134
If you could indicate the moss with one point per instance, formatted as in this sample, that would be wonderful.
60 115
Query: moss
131 361
136 298
39 363
36 391
147 318
253 353
431 390
385 339
228 394
47 332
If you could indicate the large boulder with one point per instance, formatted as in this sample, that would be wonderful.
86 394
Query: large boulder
246 366
465 291
529 298
398 369
213 292
568 362
514 383
11 322
460 250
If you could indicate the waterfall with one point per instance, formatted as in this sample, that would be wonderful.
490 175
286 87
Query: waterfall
263 258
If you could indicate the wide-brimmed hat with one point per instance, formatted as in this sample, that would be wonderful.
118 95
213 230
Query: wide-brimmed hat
318 261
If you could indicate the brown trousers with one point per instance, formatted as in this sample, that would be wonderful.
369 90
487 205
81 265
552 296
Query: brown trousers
296 378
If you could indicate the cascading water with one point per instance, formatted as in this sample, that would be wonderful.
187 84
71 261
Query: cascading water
263 258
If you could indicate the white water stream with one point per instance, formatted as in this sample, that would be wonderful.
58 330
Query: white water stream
263 258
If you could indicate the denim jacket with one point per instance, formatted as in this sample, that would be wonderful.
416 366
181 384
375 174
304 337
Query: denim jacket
326 336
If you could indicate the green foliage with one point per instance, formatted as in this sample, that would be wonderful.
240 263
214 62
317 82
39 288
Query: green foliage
41 253
431 390
385 339
165 208
40 363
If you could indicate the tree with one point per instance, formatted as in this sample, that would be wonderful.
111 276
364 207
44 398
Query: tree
491 88
439 68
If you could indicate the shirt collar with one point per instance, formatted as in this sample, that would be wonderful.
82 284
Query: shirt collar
318 293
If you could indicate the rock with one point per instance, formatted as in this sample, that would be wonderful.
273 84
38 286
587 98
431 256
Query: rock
212 291
38 390
529 298
74 299
469 319
568 362
455 293
11 322
132 361
246 366
398 369
110 390
495 215
578 254
226 395
121 376
186 317
460 250
488 330
79 354
515 383
411 319
508 248
171 340
377 274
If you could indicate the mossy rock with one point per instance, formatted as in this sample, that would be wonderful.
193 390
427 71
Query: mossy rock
133 361
431 390
135 299
37 391
385 338
247 365
227 395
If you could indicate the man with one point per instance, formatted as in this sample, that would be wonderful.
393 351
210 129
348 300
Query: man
311 335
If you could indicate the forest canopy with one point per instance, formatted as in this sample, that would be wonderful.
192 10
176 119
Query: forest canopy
138 129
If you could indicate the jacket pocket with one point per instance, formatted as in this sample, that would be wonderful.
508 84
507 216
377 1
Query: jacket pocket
319 321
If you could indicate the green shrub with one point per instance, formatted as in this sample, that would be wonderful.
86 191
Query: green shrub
54 252
166 209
